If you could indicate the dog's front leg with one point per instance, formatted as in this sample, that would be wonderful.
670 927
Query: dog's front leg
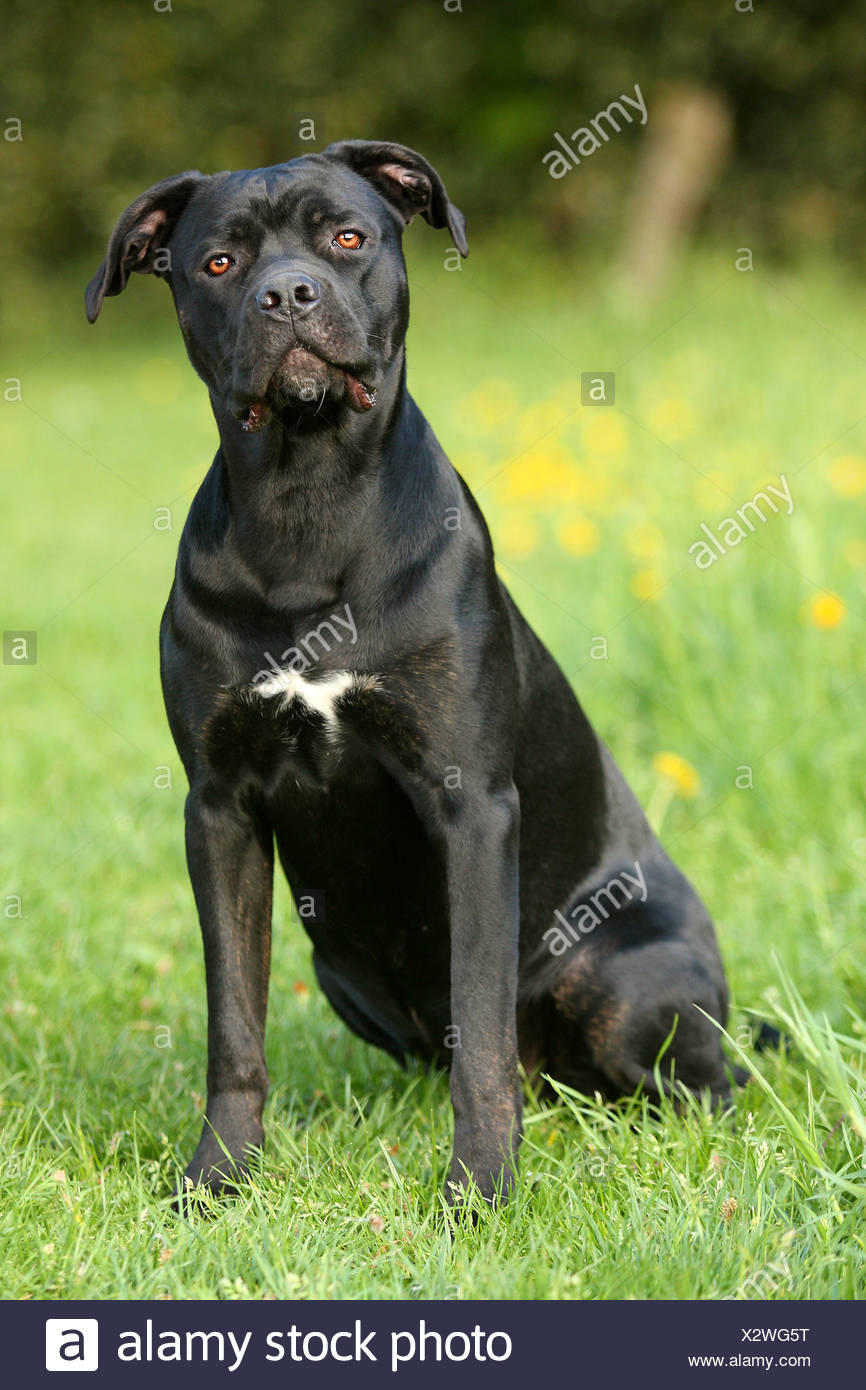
231 860
481 845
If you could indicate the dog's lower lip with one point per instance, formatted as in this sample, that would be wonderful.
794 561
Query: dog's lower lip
256 417
361 396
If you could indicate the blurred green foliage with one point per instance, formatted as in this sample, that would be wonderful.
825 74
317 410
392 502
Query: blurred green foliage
113 96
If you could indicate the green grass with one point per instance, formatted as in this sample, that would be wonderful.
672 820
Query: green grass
732 380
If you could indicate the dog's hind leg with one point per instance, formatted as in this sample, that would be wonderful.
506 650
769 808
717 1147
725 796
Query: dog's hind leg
636 1011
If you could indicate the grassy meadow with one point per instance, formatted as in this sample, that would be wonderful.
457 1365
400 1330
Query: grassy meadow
732 697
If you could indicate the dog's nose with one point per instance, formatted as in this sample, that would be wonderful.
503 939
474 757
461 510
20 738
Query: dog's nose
294 291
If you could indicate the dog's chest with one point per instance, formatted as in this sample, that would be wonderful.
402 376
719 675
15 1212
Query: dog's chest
303 729
289 725
290 692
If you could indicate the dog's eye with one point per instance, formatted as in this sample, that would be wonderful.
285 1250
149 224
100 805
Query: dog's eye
218 265
349 240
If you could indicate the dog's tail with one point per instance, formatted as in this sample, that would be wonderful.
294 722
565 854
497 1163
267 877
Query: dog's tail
770 1037
767 1038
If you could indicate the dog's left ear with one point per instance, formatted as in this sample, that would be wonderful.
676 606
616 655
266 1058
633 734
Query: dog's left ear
406 181
141 231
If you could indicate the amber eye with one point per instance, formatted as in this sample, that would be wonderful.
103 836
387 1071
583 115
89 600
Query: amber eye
349 240
218 265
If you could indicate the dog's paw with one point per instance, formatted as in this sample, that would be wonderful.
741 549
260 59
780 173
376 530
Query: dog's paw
221 1177
220 1165
471 1191
205 1182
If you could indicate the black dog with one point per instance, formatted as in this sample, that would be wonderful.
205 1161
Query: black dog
345 674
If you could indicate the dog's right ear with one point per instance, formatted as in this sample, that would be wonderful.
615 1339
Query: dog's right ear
141 232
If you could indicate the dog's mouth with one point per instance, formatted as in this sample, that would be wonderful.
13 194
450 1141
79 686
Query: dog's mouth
301 381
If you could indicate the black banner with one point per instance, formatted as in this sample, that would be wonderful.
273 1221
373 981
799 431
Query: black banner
413 1344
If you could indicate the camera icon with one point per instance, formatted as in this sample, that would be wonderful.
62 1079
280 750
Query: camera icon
71 1344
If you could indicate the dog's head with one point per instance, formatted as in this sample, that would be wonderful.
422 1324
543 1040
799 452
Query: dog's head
289 282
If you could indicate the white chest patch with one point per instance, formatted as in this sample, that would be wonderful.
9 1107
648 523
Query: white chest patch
321 695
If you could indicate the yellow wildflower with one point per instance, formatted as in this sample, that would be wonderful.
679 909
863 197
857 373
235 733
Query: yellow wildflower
543 473
671 419
603 432
494 401
826 610
578 536
676 770
647 584
645 540
848 475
